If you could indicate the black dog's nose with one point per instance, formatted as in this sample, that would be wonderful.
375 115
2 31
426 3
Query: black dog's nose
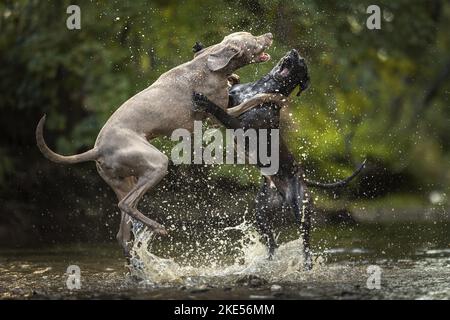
296 56
300 59
294 53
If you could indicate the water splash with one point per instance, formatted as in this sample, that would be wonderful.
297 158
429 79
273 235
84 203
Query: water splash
250 261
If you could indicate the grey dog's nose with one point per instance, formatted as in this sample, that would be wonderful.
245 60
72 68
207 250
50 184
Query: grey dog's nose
269 35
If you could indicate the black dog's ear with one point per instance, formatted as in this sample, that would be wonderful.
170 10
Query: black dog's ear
198 46
303 86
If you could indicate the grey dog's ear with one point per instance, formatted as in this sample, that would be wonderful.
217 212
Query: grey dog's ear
221 57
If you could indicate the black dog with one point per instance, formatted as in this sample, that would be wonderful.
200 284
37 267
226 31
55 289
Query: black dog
289 184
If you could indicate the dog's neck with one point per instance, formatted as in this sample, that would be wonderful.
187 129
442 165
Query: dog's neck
239 93
268 84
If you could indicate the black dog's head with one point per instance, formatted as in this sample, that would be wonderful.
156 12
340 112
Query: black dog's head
290 72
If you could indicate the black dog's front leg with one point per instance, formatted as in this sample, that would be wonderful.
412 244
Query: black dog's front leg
305 228
203 104
264 206
302 206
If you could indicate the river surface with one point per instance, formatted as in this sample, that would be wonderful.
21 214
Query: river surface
411 260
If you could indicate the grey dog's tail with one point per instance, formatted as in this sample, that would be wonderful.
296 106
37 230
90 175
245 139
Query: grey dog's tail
53 156
337 184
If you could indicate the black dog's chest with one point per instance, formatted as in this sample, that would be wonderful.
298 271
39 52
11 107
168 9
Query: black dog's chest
265 116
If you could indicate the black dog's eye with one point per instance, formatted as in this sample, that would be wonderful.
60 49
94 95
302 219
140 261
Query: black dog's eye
198 46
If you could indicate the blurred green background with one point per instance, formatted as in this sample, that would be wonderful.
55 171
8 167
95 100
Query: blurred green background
376 94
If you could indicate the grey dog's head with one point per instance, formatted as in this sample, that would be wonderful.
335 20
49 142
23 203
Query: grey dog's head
237 50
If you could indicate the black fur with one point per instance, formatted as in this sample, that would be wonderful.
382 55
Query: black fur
198 46
288 187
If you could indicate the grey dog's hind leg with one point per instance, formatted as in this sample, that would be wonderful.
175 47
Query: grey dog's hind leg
121 188
144 166
146 181
124 233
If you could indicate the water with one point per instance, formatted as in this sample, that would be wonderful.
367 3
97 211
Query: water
231 263
243 258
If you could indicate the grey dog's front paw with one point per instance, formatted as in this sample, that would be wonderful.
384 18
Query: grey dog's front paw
161 231
200 102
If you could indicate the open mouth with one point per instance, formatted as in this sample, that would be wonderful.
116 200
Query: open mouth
284 72
262 57
264 44
285 68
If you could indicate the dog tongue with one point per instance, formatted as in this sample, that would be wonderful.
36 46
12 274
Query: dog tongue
284 72
264 57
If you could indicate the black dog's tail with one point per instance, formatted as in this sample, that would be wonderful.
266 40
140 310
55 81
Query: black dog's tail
337 184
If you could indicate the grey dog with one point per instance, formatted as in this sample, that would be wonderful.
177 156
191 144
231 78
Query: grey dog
125 159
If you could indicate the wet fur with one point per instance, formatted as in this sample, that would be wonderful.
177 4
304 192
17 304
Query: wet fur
288 188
